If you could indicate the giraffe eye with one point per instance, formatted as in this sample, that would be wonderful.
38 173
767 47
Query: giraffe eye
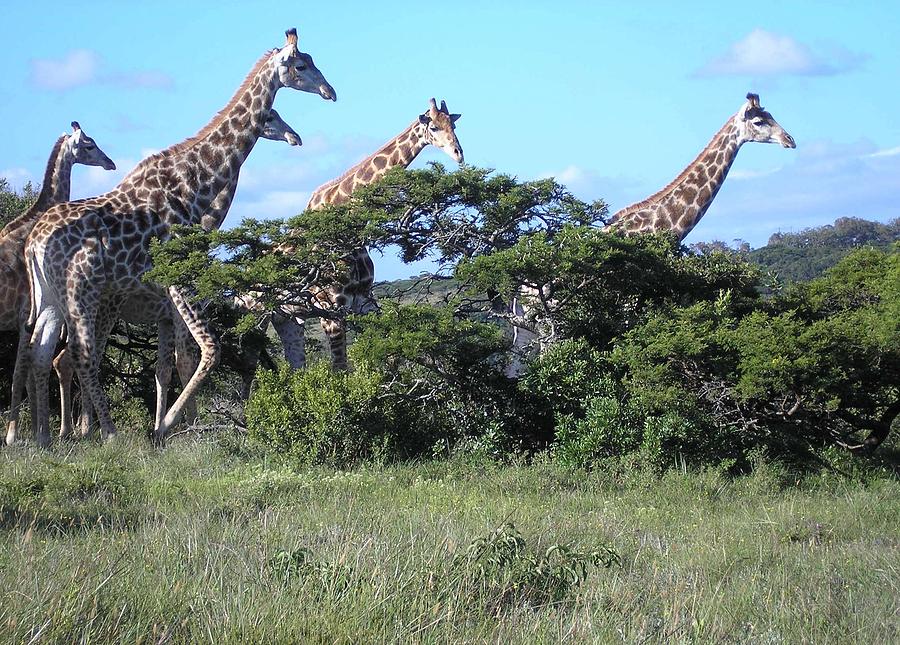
300 68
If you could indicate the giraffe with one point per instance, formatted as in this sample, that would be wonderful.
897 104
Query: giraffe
437 127
89 255
679 205
142 310
69 149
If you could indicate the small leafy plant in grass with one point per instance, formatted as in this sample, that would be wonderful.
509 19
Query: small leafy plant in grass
500 570
329 578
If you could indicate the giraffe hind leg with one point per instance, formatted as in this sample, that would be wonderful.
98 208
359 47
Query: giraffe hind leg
209 357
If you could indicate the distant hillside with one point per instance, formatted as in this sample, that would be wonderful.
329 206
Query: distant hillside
802 256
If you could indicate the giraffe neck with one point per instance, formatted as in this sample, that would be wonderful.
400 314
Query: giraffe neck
680 205
54 188
399 151
187 178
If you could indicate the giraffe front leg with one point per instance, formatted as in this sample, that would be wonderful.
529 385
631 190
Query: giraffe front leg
292 332
209 357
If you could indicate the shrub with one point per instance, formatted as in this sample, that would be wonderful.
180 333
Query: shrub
318 415
443 379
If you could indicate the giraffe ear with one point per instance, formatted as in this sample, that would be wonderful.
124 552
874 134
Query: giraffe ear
454 117
424 118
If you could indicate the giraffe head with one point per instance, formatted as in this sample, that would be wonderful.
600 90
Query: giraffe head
277 130
755 124
85 151
440 130
297 71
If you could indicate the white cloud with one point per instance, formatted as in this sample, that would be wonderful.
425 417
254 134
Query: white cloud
763 53
78 67
81 67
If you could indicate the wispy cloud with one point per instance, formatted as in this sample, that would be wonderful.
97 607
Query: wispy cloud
17 177
743 175
80 67
889 152
763 53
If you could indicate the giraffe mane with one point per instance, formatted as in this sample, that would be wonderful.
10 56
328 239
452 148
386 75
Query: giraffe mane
28 213
217 119
355 167
670 186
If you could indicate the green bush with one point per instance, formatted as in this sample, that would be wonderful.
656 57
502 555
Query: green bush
446 388
320 416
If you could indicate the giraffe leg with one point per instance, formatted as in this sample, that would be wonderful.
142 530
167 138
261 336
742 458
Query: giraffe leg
21 379
186 362
106 321
87 366
44 339
65 372
336 331
165 351
209 356
291 331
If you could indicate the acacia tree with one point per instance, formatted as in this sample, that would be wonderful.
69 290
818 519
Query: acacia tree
430 213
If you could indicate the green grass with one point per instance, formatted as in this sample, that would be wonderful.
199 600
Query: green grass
121 543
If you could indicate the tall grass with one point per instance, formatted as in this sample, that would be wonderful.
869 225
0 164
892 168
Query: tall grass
121 543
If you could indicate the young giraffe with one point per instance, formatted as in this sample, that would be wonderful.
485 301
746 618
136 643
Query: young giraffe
677 207
92 253
435 127
141 310
69 149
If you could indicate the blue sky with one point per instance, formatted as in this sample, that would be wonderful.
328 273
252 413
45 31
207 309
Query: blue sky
612 98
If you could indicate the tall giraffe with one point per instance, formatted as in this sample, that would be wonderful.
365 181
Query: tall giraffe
679 205
437 127
69 149
86 255
143 310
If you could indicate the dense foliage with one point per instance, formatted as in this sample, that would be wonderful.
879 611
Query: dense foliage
651 351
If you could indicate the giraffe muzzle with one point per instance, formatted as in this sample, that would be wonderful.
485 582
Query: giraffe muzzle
788 141
327 92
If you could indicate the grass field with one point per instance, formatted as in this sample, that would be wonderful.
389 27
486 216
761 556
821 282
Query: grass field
121 543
